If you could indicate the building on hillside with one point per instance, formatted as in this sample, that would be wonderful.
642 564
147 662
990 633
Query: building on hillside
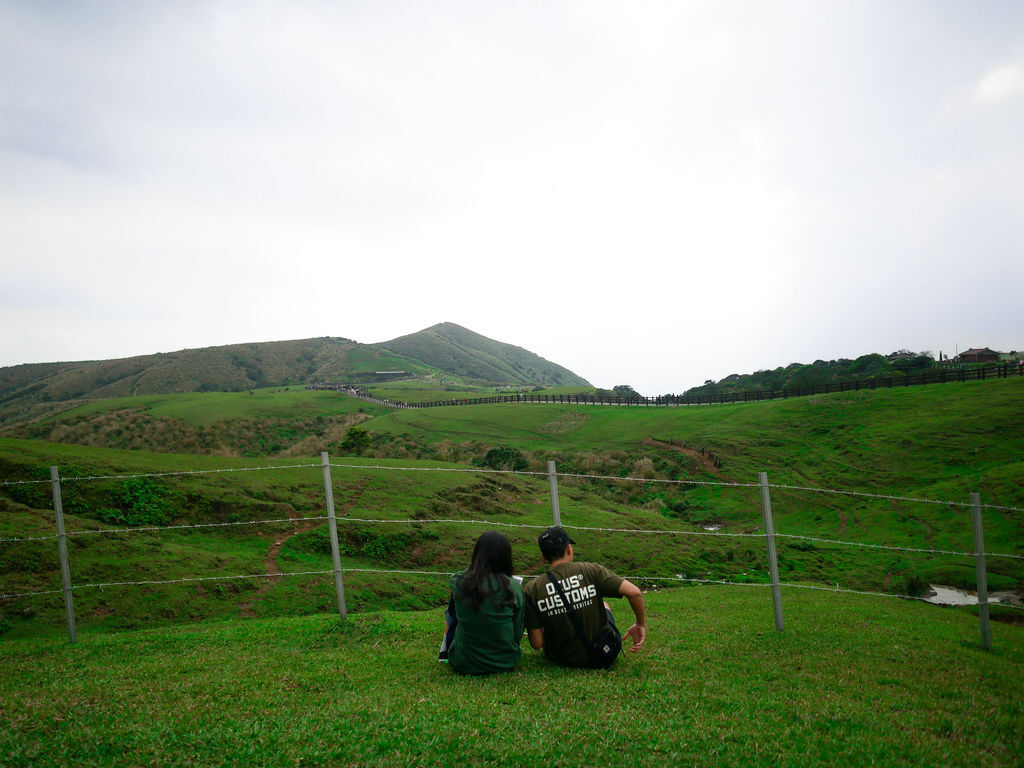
984 355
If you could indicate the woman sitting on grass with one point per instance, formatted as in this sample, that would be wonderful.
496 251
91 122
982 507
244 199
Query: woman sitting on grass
484 620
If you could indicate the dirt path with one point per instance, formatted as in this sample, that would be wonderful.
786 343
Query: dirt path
704 460
272 568
821 499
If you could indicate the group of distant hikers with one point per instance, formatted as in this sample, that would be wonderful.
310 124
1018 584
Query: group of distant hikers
563 611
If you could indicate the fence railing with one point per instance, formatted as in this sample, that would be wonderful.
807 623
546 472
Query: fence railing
771 536
930 376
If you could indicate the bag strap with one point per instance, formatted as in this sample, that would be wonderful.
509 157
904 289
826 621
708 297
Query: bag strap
573 616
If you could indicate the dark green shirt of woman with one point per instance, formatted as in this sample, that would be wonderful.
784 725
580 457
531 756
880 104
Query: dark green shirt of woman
486 611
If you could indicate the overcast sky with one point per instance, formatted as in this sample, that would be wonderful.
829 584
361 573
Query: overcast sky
646 193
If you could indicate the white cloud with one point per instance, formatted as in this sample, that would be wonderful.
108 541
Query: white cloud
746 185
1001 84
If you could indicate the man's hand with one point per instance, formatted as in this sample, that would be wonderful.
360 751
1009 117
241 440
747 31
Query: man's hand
637 634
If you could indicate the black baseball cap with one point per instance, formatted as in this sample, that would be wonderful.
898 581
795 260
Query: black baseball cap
552 542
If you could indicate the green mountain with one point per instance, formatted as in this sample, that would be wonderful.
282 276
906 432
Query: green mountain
235 367
454 349
37 390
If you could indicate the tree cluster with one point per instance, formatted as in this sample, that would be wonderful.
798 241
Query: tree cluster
818 374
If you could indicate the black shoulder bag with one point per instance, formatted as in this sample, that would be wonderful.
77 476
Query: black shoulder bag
603 649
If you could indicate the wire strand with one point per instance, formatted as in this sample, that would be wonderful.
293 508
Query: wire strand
894 548
30 538
151 528
176 473
192 525
189 579
890 497
12 595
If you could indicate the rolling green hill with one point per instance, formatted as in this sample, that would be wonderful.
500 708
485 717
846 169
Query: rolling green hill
236 367
457 350
935 442
34 391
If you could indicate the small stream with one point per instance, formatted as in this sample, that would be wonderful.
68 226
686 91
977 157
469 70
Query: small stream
942 595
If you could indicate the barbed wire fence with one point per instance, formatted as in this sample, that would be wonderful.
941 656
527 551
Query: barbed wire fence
770 536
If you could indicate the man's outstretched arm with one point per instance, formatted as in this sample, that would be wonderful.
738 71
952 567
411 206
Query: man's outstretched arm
637 632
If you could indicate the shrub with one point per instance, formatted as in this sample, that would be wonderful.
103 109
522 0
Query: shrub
643 468
356 441
915 586
141 501
505 458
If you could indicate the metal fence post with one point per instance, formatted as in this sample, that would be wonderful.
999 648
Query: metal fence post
769 534
979 564
556 513
332 526
62 548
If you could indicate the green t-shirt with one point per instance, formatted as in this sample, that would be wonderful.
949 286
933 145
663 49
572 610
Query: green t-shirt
585 585
487 639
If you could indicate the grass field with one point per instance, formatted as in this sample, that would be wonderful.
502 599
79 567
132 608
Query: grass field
206 408
259 671
853 681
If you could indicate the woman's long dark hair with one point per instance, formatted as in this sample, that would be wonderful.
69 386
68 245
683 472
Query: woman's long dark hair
492 557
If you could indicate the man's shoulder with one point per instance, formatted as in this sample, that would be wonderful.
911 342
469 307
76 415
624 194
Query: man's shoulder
607 581
592 572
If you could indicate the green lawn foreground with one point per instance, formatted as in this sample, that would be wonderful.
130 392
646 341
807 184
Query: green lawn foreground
852 681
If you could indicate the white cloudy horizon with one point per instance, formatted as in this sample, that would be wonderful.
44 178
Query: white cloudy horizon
654 194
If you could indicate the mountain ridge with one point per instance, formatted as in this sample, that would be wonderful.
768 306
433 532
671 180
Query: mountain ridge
455 349
33 389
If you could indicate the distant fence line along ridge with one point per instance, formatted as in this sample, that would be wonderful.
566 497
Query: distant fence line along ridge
931 376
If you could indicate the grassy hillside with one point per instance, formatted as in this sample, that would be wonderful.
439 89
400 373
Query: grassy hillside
266 422
457 350
853 681
223 496
940 442
26 389
944 439
445 352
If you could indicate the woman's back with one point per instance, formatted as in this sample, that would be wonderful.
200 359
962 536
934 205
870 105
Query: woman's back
487 638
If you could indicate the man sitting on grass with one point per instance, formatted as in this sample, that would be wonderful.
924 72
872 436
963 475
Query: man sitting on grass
549 622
